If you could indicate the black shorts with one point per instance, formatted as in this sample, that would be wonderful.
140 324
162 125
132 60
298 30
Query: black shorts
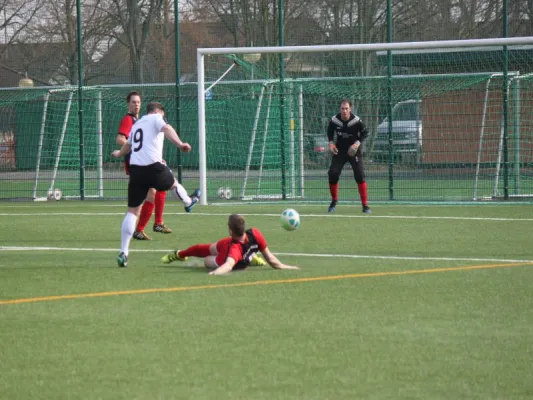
337 164
145 177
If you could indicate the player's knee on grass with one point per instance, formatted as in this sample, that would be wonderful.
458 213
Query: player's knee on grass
210 263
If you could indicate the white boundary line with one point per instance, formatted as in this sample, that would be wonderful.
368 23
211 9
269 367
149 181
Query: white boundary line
321 204
43 248
52 214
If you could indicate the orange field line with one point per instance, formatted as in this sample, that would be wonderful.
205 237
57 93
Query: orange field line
265 282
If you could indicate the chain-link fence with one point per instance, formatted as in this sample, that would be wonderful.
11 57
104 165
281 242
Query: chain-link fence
127 45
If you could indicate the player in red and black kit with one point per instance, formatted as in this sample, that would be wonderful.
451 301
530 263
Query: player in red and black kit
154 199
346 132
238 251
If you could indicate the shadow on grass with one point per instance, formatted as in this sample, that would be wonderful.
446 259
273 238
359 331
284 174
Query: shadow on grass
204 270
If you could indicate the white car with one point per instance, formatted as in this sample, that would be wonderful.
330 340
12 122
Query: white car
406 133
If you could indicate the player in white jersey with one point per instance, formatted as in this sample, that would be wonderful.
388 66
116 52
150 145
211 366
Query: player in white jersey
147 170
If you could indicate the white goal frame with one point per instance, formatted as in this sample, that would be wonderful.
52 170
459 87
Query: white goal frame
55 170
294 190
202 52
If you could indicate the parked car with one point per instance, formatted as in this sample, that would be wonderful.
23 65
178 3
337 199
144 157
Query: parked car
406 133
316 149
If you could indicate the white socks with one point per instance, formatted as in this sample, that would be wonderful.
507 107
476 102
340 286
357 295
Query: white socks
179 193
126 233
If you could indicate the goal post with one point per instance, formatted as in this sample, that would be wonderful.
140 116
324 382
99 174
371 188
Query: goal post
58 160
40 139
43 150
259 160
245 108
261 132
519 89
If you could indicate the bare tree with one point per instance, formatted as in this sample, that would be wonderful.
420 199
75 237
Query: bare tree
15 16
136 19
57 27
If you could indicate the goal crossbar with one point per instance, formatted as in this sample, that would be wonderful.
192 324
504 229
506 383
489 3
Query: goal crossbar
432 46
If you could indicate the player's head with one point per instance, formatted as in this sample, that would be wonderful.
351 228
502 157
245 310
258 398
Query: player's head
345 108
155 108
236 225
134 102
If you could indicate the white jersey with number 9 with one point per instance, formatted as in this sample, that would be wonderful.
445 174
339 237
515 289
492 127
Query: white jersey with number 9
146 140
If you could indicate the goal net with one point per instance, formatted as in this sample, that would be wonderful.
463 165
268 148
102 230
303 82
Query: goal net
58 158
40 149
40 135
438 128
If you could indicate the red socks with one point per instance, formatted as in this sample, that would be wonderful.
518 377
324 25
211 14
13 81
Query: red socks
334 190
146 214
148 208
198 250
362 193
159 206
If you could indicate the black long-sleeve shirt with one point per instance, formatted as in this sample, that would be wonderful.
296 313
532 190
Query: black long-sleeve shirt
346 133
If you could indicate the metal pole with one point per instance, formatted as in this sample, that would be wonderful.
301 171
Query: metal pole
80 101
100 146
201 128
516 132
389 101
301 139
282 103
178 75
480 145
505 107
40 148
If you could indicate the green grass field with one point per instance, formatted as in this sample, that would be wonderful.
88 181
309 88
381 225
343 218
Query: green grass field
410 302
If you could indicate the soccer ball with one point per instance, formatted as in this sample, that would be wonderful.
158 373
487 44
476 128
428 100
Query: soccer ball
290 219
228 193
54 194
224 193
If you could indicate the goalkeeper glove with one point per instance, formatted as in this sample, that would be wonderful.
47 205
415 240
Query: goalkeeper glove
333 149
352 150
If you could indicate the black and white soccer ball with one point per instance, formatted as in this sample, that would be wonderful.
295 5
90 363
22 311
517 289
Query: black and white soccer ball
224 193
54 194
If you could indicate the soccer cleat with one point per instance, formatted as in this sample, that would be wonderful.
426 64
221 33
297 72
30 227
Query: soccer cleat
332 206
122 260
171 257
257 261
162 228
195 197
141 235
367 210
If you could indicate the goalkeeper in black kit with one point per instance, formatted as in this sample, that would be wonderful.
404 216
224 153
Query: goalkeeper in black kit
346 132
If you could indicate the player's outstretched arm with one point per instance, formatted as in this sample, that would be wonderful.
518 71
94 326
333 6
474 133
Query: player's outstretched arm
125 149
172 135
224 268
273 261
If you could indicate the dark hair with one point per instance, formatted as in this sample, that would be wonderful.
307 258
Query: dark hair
346 101
131 94
151 107
237 224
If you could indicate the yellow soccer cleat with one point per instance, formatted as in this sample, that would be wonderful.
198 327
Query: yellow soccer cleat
171 257
257 261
